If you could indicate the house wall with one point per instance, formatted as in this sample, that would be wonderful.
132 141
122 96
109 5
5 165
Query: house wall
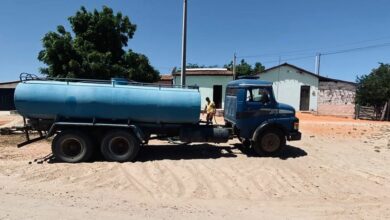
206 84
165 82
336 98
287 84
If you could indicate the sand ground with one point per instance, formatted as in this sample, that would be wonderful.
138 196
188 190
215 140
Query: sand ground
340 169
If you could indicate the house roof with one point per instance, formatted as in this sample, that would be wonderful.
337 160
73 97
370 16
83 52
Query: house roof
321 78
9 85
206 72
249 82
166 77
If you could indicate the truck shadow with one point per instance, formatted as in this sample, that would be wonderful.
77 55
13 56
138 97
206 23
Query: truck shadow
189 152
207 151
184 152
288 152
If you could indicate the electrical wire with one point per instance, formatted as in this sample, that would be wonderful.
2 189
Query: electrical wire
356 49
288 59
313 51
294 53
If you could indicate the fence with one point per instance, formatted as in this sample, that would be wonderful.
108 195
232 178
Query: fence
368 112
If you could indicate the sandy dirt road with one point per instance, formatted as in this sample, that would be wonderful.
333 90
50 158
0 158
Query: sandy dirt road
341 169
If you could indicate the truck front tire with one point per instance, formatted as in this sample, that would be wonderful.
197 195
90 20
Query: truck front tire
72 147
120 146
270 142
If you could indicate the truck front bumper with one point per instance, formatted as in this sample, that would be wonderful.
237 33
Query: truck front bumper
294 136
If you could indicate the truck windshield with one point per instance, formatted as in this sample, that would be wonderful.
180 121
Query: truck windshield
258 95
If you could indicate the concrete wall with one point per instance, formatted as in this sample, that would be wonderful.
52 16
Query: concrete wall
206 84
336 98
165 82
287 85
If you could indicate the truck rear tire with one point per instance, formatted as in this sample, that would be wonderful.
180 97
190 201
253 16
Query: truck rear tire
120 146
72 147
269 142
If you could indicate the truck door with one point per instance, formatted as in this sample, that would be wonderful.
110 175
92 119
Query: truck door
259 106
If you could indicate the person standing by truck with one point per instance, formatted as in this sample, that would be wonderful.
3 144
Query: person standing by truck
210 110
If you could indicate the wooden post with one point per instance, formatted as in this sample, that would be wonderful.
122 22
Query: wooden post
388 110
357 111
384 110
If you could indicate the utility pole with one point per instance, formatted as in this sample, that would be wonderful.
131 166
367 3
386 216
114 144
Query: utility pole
184 45
277 84
318 63
234 66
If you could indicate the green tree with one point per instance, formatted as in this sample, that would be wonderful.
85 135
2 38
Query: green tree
258 68
244 69
374 89
192 65
95 49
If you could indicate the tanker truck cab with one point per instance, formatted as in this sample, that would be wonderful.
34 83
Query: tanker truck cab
257 119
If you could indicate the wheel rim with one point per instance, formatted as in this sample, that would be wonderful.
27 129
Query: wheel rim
71 147
270 142
119 146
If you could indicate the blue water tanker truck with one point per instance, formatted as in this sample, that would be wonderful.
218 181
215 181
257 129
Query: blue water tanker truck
118 117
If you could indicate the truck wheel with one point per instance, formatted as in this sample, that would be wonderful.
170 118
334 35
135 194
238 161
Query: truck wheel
72 147
120 146
270 142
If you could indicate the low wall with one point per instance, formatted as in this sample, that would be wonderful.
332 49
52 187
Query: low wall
336 98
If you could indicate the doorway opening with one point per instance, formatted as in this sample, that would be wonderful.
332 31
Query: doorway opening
217 95
7 99
305 98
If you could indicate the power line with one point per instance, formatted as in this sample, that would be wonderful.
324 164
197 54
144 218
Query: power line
311 55
363 41
356 49
288 59
274 54
300 52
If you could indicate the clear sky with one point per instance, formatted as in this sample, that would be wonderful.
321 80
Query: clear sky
259 30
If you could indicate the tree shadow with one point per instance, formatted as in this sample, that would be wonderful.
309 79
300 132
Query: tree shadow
288 152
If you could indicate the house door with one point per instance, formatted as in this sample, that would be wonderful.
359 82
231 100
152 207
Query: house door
217 96
305 98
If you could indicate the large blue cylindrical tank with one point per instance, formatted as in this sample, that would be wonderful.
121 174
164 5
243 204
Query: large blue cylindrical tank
153 104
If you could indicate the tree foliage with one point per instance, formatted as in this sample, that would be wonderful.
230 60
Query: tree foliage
195 65
244 69
374 89
95 49
192 65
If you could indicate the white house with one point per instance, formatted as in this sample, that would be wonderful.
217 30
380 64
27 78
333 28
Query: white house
293 85
306 91
211 81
